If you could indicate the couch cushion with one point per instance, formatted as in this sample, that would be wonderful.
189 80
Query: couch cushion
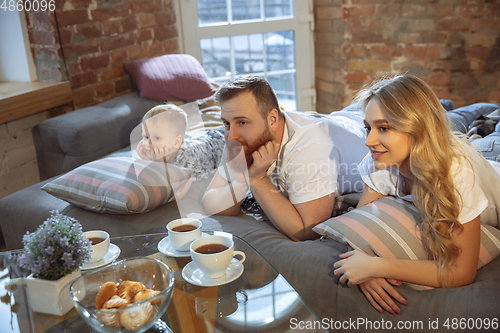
120 185
171 77
387 228
84 135
462 117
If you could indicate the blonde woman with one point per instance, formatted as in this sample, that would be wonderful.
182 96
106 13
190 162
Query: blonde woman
414 155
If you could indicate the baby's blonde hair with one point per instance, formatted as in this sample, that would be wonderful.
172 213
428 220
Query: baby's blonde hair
169 113
410 106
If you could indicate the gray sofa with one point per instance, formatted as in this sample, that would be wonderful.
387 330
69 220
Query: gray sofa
81 136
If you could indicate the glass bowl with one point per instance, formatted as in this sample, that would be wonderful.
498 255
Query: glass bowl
135 317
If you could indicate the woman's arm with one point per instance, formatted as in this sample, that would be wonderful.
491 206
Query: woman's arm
368 196
358 267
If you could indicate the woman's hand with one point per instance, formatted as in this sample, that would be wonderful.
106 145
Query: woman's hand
355 268
378 291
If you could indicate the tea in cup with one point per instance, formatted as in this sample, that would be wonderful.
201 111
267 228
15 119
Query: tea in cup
100 244
182 232
213 255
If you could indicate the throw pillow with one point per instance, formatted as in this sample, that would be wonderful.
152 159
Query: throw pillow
172 77
387 228
120 185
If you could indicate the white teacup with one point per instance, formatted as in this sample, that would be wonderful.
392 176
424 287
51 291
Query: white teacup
181 239
99 249
215 265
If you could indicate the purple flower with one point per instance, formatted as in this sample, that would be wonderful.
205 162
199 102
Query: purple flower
36 268
49 250
64 241
57 248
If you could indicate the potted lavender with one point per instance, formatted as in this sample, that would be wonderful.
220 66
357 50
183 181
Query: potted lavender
54 253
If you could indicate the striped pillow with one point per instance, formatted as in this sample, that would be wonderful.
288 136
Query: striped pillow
387 228
120 185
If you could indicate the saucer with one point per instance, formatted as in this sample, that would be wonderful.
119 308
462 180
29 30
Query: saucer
165 247
192 274
113 253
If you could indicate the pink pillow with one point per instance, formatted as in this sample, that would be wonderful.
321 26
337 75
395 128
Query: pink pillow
178 77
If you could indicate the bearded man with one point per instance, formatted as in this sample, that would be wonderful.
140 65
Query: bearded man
294 163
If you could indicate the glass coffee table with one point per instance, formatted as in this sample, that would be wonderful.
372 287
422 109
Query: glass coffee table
260 300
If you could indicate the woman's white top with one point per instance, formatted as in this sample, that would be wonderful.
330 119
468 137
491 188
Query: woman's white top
476 179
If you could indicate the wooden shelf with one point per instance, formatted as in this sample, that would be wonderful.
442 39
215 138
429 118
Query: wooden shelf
21 99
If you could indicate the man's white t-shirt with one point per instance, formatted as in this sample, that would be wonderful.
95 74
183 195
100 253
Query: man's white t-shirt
319 155
475 179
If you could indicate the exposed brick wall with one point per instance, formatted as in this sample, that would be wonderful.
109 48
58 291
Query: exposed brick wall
452 44
45 46
97 37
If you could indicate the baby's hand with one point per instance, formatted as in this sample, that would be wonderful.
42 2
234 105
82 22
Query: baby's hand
160 153
142 152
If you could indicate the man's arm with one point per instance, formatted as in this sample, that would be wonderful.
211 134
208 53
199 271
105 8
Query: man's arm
295 221
224 197
225 193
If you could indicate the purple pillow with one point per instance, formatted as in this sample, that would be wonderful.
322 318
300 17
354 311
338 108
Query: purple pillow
178 77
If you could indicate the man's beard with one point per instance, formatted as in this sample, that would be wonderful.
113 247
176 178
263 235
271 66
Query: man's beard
234 148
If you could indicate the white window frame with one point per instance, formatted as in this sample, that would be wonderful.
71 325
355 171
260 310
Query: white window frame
302 24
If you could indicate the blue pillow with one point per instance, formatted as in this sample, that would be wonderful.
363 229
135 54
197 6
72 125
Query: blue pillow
462 117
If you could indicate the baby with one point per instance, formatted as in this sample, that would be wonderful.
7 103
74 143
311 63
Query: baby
163 130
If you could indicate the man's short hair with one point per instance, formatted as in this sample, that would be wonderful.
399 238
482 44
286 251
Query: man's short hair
170 114
260 89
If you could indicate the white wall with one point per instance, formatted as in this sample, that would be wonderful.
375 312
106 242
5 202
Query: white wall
16 62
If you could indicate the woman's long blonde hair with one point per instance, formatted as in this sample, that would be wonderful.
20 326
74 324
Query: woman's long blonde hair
409 105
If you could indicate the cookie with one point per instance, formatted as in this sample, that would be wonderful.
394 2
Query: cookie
129 290
133 318
109 318
115 302
145 294
107 291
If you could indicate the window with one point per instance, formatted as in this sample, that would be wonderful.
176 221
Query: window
16 62
268 38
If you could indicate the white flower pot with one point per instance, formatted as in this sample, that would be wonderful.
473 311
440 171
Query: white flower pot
46 296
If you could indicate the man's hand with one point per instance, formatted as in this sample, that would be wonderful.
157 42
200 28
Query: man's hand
262 159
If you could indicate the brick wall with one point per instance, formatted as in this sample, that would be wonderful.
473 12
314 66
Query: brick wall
452 44
45 47
97 37
87 41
